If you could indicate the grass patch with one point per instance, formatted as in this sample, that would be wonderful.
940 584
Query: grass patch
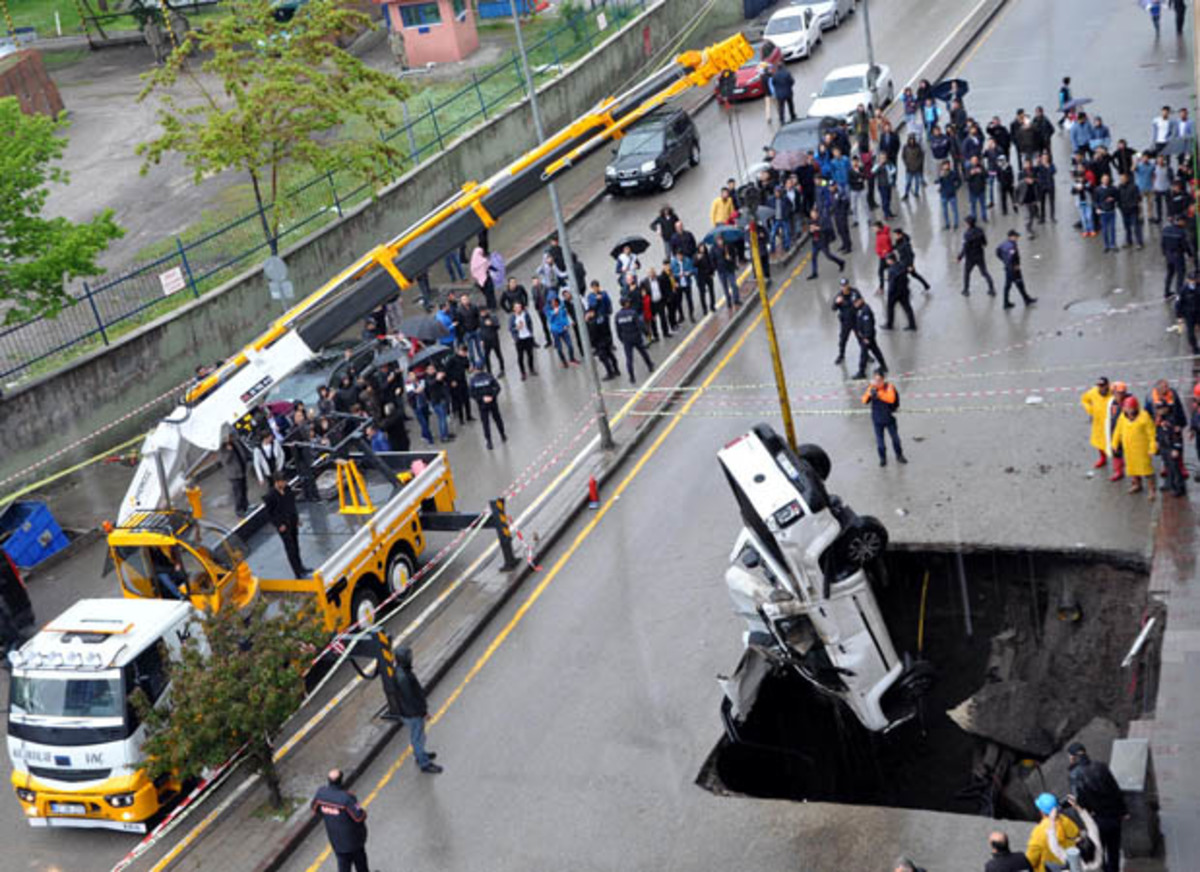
265 813
67 57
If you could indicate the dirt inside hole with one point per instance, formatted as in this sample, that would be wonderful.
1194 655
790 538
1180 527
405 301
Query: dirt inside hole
1030 659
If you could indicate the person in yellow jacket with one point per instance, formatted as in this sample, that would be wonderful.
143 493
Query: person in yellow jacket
1096 401
722 210
1135 436
1044 853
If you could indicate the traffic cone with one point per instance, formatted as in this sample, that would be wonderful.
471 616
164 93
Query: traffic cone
593 493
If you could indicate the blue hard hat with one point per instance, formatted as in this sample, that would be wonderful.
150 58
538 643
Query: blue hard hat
1046 803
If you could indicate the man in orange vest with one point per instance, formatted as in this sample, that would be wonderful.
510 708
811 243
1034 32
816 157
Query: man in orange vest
884 400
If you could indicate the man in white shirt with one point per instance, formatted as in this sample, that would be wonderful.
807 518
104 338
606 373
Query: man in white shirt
1164 128
520 325
268 458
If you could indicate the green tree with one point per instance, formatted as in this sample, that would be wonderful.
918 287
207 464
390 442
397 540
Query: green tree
36 252
239 691
272 94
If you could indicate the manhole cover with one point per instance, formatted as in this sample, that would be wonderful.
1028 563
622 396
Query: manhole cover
1173 86
1088 307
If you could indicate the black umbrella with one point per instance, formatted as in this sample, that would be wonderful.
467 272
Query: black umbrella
429 356
637 244
730 234
951 89
789 160
425 328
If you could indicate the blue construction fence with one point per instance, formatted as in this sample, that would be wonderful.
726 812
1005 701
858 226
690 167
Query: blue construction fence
183 268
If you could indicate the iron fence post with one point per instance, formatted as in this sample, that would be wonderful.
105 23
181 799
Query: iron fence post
337 204
436 130
557 59
479 94
408 129
87 291
187 268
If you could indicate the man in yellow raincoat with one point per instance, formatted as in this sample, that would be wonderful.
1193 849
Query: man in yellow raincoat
1135 436
1050 839
1096 401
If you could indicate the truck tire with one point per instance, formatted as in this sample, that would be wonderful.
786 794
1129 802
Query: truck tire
863 541
365 604
694 154
400 571
816 457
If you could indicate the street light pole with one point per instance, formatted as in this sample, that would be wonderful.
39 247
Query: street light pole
589 359
865 9
785 404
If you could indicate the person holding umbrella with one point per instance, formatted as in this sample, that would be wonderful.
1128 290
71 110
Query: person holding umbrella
625 253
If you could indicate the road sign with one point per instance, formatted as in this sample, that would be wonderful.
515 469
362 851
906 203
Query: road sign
275 269
172 280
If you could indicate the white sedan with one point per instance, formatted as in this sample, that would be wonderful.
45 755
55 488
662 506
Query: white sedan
846 88
830 12
795 30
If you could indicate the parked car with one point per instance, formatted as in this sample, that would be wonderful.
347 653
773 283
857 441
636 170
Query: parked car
749 82
653 152
847 87
796 31
326 367
800 578
830 12
16 611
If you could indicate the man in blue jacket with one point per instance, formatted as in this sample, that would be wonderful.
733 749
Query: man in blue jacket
782 85
345 823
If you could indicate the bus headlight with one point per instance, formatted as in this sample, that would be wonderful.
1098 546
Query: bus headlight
120 800
26 795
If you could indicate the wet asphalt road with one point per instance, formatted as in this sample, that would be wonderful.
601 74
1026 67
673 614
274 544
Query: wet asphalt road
614 751
581 730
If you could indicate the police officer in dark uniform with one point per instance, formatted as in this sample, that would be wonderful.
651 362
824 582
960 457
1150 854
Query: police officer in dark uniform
1175 245
864 332
281 512
974 244
485 389
898 293
1187 307
843 304
1009 254
345 823
600 333
629 331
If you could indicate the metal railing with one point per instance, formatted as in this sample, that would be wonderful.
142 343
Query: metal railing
179 269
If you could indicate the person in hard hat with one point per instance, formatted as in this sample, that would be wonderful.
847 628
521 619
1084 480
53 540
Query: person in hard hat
1135 436
1044 853
1096 401
1119 392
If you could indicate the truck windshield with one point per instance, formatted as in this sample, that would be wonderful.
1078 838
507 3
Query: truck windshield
44 696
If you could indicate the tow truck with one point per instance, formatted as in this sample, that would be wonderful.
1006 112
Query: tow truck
167 553
800 579
74 739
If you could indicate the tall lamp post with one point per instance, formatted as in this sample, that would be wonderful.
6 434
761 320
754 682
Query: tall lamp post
589 359
756 255
866 20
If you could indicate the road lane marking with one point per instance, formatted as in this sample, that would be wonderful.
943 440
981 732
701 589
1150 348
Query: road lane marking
575 545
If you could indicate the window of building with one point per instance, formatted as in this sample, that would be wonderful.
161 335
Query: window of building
420 14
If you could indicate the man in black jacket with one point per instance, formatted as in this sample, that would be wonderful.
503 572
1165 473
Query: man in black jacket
898 293
235 458
1095 789
485 390
843 304
281 512
864 332
414 709
456 381
1003 859
1129 202
1175 244
514 292
345 823
972 253
1187 308
1010 256
600 333
629 331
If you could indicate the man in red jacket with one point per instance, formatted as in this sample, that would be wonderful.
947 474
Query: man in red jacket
883 247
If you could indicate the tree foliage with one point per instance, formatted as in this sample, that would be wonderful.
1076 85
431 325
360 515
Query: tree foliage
37 252
239 691
273 93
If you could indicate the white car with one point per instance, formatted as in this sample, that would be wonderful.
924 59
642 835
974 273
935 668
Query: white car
799 580
830 12
846 88
796 32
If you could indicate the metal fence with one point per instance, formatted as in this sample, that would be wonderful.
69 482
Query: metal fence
183 268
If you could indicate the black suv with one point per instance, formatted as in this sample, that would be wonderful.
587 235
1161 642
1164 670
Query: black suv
653 152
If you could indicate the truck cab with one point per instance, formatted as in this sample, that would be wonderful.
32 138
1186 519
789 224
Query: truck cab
74 738
799 577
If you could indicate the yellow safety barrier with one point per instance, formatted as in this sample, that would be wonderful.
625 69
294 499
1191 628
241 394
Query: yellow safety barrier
353 498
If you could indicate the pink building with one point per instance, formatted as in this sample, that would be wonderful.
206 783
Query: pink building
434 31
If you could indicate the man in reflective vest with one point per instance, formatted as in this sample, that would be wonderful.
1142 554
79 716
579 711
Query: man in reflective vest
345 823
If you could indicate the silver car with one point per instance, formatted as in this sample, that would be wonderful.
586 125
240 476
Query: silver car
831 13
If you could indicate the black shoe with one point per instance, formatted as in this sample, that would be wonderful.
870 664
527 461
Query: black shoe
966 293
900 458
839 360
432 755
859 375
911 327
489 444
1030 301
991 293
811 277
886 327
1010 306
432 769
883 461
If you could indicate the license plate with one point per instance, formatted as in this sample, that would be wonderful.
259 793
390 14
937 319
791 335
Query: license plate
739 90
68 808
632 183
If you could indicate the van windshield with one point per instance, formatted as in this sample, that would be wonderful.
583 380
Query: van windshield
43 696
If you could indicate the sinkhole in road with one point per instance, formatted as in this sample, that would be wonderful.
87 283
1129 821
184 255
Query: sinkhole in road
1027 647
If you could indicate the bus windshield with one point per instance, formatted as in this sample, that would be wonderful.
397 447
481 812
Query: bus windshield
54 697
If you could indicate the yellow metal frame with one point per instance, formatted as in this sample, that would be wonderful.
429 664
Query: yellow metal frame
353 496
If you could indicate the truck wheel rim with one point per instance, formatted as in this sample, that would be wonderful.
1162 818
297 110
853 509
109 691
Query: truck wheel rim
401 577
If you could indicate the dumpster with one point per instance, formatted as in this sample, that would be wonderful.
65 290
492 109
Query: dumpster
29 534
